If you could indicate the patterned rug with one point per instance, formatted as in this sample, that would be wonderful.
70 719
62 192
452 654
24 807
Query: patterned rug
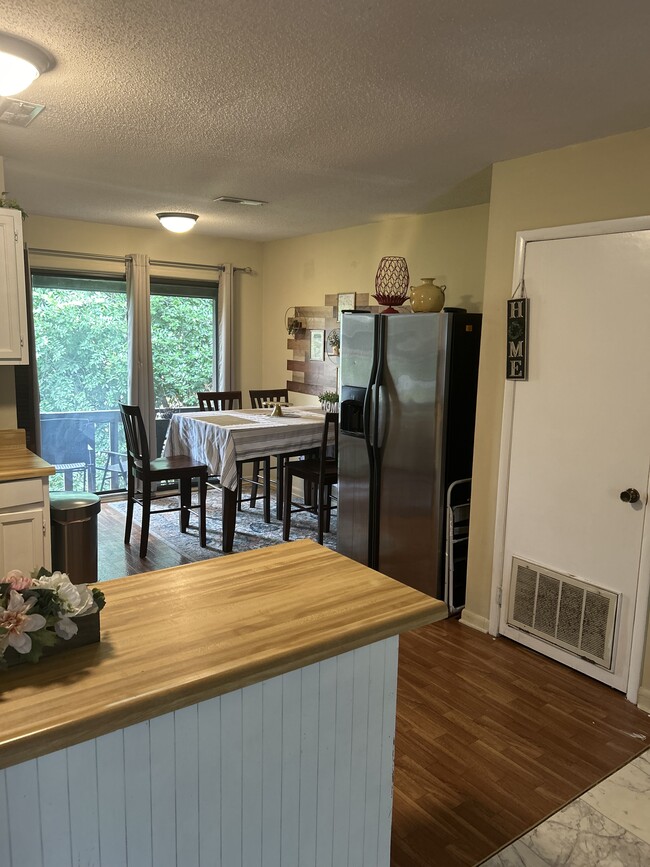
250 530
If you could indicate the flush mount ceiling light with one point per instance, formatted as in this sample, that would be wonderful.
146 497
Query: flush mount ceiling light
235 200
177 222
20 64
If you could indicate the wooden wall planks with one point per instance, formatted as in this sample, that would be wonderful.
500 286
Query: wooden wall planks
292 772
314 377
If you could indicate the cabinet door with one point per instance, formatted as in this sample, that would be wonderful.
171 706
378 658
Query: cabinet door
13 307
22 540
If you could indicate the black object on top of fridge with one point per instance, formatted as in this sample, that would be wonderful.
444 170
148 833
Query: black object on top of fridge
407 410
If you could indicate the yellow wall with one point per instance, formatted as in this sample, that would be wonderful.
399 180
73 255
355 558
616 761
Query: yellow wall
599 180
158 243
301 271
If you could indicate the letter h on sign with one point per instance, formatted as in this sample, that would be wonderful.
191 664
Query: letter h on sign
517 337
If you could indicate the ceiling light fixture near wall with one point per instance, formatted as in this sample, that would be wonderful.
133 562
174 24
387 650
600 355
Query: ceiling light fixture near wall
235 200
176 222
21 63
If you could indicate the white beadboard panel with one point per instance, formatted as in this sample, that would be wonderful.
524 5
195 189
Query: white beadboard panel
82 794
375 746
252 775
231 778
326 754
186 725
289 843
388 750
272 772
342 758
210 782
358 762
292 772
110 799
162 741
5 851
22 790
309 710
54 809
137 787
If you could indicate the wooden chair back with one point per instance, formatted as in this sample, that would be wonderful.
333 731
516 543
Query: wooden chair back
326 449
137 446
219 400
262 396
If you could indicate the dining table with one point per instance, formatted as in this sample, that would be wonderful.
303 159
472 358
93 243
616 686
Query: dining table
221 440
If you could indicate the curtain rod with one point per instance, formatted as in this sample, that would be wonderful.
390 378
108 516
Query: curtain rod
97 257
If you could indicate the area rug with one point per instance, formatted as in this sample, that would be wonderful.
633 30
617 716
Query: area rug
250 530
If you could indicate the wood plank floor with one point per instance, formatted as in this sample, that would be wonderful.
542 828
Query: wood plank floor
491 737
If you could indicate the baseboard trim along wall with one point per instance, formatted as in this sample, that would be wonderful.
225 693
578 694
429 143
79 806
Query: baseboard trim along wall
643 702
476 621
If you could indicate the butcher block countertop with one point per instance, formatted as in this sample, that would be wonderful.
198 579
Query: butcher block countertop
178 636
16 462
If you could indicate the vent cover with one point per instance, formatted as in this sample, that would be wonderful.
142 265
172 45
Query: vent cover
17 112
565 611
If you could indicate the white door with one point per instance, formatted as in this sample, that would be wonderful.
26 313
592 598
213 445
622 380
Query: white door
581 429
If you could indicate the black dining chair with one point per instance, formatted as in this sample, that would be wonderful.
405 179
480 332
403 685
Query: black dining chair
321 473
141 468
218 401
267 397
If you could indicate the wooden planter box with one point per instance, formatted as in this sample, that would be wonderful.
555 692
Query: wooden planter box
88 634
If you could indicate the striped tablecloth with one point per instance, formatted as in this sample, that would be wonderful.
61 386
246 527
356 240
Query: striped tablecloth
220 439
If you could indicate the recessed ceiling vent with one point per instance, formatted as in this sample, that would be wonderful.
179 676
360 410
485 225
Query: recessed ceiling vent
17 112
565 611
235 200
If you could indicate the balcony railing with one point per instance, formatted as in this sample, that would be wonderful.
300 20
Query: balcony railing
88 448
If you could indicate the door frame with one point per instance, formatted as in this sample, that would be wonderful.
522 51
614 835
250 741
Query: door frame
607 227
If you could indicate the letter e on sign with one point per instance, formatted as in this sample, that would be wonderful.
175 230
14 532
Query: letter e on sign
517 339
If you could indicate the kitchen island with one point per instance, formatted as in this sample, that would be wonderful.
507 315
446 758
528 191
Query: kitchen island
237 711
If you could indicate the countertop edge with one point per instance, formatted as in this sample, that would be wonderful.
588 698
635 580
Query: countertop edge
141 708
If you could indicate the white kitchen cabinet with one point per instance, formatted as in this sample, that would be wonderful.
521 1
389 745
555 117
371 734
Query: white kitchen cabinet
13 305
24 525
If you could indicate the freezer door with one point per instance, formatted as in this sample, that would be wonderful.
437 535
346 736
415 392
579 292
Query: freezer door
354 486
411 412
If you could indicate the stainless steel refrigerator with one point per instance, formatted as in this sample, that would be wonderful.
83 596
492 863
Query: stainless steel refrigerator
407 407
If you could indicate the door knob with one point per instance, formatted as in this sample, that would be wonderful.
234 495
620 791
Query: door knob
631 495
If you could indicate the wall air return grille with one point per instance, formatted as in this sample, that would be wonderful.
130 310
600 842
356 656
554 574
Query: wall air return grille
565 611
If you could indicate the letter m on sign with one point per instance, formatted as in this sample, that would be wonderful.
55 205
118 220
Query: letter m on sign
517 339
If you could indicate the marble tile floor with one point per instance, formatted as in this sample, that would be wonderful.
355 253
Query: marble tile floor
608 826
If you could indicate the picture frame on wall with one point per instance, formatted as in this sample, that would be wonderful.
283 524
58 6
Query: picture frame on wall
317 346
345 301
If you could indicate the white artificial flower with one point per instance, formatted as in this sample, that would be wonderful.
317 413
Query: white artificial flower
76 599
66 628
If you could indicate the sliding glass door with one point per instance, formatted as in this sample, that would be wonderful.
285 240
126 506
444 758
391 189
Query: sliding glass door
183 338
81 350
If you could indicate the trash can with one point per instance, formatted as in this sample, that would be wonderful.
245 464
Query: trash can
74 535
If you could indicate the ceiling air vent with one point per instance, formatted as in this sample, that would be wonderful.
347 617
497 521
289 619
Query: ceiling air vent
235 200
17 112
565 611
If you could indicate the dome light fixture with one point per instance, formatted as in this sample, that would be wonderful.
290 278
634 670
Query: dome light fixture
21 63
176 222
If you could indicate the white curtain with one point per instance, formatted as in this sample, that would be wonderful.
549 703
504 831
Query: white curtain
141 392
225 366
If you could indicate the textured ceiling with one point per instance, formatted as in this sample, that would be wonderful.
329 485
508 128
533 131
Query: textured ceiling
337 113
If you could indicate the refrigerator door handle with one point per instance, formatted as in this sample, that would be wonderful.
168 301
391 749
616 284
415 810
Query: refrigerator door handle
382 415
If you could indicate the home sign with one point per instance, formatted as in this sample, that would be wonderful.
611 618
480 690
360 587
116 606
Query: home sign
517 337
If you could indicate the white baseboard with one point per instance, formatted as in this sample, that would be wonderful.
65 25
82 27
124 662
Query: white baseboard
476 621
643 701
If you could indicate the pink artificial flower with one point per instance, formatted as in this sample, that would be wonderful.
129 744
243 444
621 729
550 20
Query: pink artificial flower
17 623
17 579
